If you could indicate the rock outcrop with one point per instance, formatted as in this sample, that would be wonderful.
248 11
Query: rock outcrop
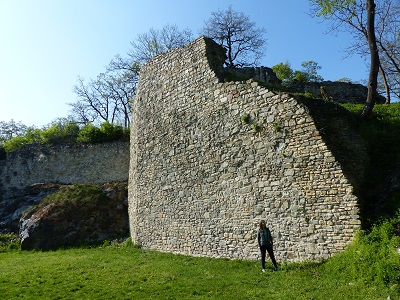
23 172
81 215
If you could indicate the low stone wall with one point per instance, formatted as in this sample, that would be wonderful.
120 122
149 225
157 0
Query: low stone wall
81 163
342 92
209 159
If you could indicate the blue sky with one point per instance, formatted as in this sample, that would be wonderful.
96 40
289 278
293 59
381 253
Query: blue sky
47 44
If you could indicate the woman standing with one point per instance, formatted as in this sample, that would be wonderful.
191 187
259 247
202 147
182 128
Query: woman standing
266 243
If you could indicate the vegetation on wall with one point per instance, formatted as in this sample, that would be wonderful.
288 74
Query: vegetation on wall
309 73
65 133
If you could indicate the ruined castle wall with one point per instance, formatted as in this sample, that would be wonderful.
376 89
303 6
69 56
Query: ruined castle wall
64 164
210 158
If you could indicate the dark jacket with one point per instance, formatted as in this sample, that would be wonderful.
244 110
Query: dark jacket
267 235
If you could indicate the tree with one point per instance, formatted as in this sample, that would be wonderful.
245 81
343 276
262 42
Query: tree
243 41
350 15
284 72
154 42
309 73
108 97
388 39
11 129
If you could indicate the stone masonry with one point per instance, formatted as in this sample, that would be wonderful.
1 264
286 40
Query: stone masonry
65 164
209 159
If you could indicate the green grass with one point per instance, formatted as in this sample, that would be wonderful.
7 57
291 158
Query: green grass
368 269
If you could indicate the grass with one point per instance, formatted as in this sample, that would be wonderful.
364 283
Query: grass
368 269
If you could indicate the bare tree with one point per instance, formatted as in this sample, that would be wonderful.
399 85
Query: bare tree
243 41
108 98
358 18
388 39
154 42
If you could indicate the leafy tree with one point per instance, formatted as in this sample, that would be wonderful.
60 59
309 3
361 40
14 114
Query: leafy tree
106 133
350 16
309 73
243 41
284 72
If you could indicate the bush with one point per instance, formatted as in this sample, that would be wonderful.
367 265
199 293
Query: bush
16 143
90 134
372 257
9 241
106 133
112 132
60 133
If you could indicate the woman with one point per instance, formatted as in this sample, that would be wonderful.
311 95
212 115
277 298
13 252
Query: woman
266 243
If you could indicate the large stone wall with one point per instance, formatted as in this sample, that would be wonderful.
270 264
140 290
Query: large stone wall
210 158
65 164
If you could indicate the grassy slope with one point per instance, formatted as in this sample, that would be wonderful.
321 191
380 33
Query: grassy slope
381 196
131 273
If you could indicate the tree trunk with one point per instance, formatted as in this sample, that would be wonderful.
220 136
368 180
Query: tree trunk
374 67
385 83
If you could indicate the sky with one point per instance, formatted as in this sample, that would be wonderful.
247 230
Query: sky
47 44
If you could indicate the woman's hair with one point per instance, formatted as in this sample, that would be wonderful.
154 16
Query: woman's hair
262 225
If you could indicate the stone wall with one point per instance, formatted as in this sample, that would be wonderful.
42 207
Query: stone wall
342 92
65 164
209 159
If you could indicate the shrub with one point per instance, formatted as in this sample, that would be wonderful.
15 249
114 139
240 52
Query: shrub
59 133
111 132
90 134
9 241
372 257
106 133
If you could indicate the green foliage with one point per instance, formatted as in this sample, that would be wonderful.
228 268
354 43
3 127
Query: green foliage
9 241
372 258
256 126
277 127
284 72
60 133
11 129
345 79
31 136
106 133
90 134
309 73
327 8
67 132
85 194
246 119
